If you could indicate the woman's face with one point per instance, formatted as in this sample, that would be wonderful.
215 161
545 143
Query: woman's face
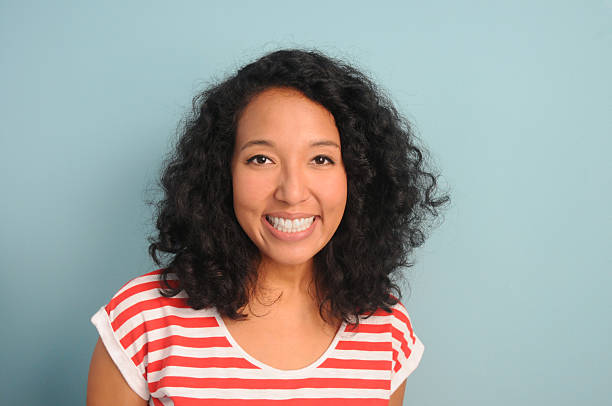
288 177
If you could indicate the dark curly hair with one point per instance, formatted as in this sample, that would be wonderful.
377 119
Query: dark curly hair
390 193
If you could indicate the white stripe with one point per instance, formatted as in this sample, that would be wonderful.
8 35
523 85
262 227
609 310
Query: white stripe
168 331
188 352
362 355
142 279
158 313
367 337
141 297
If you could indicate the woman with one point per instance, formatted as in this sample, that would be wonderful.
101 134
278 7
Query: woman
295 194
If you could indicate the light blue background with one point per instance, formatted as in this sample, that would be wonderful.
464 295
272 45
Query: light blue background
511 294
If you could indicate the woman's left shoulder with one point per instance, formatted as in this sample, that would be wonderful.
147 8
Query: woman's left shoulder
407 348
398 313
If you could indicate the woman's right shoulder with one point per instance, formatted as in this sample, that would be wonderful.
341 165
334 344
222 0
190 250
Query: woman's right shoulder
143 296
139 306
137 314
146 282
142 288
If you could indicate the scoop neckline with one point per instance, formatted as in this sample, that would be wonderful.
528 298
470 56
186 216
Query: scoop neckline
265 366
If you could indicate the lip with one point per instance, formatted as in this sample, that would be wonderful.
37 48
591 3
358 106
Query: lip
281 235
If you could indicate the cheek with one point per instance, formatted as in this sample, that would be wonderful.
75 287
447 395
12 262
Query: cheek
248 191
245 202
336 191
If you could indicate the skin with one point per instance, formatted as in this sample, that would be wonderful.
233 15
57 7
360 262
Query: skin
287 159
106 385
275 168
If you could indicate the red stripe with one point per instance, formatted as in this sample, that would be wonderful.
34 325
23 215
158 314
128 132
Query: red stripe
379 365
149 304
181 401
396 364
401 316
139 356
399 336
141 287
377 312
368 328
157 271
167 321
363 346
268 384
192 342
158 402
381 312
210 362
199 342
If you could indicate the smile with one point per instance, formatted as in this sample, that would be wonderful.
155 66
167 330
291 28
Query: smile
290 226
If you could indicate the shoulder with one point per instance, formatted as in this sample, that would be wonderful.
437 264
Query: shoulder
402 325
139 319
397 316
407 347
397 322
141 299
140 289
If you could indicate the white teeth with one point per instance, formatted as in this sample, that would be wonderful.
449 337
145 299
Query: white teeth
290 226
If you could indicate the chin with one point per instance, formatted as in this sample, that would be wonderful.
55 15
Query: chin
290 260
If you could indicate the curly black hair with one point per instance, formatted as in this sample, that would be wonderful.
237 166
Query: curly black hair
390 192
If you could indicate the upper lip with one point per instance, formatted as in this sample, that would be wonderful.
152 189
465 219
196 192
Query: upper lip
290 216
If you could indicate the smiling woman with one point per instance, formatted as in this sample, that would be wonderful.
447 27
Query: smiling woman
295 196
287 170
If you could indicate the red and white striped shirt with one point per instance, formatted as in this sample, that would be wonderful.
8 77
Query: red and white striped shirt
171 354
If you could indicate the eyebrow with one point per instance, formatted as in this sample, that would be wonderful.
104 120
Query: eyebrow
271 144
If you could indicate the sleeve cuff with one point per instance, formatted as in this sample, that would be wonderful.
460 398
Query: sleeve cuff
123 362
412 362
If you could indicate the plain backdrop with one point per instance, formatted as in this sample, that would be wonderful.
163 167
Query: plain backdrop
510 294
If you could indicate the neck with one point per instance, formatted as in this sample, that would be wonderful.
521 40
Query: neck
286 292
292 282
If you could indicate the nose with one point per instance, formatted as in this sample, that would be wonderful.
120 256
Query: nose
292 186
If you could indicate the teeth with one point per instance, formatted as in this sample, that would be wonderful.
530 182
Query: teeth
290 226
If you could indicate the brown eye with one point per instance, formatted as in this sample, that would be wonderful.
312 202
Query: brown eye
258 159
320 160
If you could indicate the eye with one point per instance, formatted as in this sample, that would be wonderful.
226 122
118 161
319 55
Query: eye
320 160
258 159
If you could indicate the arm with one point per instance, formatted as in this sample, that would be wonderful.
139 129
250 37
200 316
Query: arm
105 385
397 398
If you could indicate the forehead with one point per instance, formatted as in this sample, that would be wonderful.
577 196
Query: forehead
285 113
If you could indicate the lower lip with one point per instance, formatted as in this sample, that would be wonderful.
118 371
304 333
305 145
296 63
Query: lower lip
281 235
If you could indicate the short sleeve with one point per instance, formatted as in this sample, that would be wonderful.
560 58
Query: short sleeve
121 327
406 346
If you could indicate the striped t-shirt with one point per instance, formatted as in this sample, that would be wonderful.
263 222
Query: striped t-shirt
171 354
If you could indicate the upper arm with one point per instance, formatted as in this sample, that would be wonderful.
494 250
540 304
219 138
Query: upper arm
397 398
106 385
